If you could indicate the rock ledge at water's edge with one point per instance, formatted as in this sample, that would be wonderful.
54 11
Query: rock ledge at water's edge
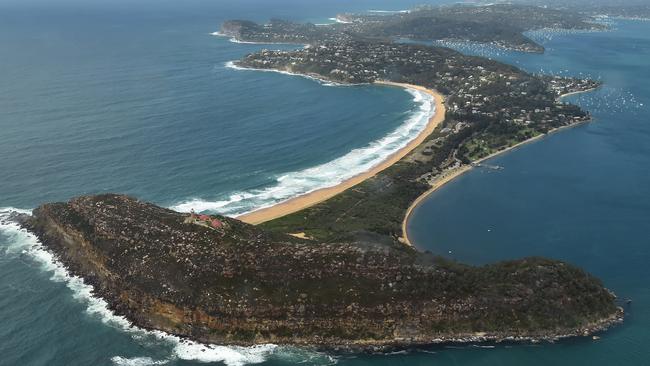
228 282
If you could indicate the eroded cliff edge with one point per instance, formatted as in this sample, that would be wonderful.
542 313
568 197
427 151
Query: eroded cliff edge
229 282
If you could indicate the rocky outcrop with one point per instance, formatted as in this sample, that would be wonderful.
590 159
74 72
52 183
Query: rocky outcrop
236 284
233 28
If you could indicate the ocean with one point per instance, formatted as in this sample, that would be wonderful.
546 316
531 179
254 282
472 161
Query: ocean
138 98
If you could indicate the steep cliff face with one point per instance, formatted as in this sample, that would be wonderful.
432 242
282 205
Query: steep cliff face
222 281
233 28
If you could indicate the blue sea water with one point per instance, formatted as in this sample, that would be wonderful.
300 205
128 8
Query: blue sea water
99 99
135 97
582 195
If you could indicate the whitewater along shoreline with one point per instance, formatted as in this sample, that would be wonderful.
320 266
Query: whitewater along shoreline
309 199
85 233
452 174
114 242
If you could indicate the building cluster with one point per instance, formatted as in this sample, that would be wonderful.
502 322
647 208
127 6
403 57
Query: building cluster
476 89
501 25
490 105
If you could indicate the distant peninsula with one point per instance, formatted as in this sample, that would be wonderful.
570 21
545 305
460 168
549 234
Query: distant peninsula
501 25
335 271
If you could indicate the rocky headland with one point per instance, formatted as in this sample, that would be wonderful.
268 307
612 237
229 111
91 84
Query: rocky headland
216 279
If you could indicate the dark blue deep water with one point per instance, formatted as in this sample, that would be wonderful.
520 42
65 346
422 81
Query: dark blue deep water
581 195
135 97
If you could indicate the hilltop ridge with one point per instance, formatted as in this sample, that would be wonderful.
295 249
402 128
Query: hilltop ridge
238 284
501 25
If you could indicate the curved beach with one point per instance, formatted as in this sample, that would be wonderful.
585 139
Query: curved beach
315 197
455 173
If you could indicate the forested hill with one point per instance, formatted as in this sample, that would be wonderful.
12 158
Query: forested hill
501 25
218 280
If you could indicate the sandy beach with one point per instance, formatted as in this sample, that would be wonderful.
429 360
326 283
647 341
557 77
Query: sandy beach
310 199
450 175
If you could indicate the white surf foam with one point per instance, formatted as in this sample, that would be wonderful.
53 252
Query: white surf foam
232 356
232 65
232 39
340 21
235 40
330 174
137 361
22 242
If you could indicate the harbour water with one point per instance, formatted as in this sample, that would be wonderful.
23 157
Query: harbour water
581 195
137 99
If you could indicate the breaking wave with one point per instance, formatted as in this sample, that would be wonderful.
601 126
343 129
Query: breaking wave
21 242
337 20
293 184
232 65
137 361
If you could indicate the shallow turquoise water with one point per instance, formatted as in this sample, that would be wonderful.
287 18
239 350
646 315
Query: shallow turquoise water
136 99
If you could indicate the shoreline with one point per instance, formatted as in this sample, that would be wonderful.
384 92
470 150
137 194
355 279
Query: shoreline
132 322
311 76
233 39
309 199
455 173
576 93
